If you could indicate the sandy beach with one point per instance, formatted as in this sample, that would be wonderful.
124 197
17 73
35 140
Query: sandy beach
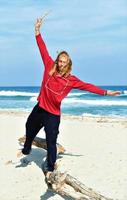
96 154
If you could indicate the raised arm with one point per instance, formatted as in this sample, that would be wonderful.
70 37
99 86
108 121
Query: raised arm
47 60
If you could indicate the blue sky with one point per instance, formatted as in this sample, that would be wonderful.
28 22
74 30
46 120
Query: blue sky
93 32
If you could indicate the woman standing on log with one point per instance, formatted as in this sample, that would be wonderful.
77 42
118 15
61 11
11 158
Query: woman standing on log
56 84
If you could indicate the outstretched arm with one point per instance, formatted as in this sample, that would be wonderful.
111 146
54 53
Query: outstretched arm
93 88
47 60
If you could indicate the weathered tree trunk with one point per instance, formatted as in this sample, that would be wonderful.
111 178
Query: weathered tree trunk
80 187
41 143
69 186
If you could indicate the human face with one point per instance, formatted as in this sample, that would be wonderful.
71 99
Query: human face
62 61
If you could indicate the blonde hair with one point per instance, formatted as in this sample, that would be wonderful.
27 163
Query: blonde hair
66 70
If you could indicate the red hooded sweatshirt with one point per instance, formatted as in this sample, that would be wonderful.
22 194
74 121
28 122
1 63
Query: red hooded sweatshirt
55 88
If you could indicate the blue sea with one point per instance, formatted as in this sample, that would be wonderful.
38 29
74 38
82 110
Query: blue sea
78 102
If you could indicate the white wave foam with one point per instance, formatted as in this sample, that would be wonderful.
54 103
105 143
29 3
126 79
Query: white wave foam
112 115
17 93
33 99
89 115
76 94
125 91
95 102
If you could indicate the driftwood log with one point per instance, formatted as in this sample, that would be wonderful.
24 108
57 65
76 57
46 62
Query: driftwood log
69 186
41 143
63 183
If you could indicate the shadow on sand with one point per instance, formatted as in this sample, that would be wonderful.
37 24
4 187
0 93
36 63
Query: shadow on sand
50 193
38 156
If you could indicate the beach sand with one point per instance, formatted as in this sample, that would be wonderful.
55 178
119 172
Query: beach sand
96 154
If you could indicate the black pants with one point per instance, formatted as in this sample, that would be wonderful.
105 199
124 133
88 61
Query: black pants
37 119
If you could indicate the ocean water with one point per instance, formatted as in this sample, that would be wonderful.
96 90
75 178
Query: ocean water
78 102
